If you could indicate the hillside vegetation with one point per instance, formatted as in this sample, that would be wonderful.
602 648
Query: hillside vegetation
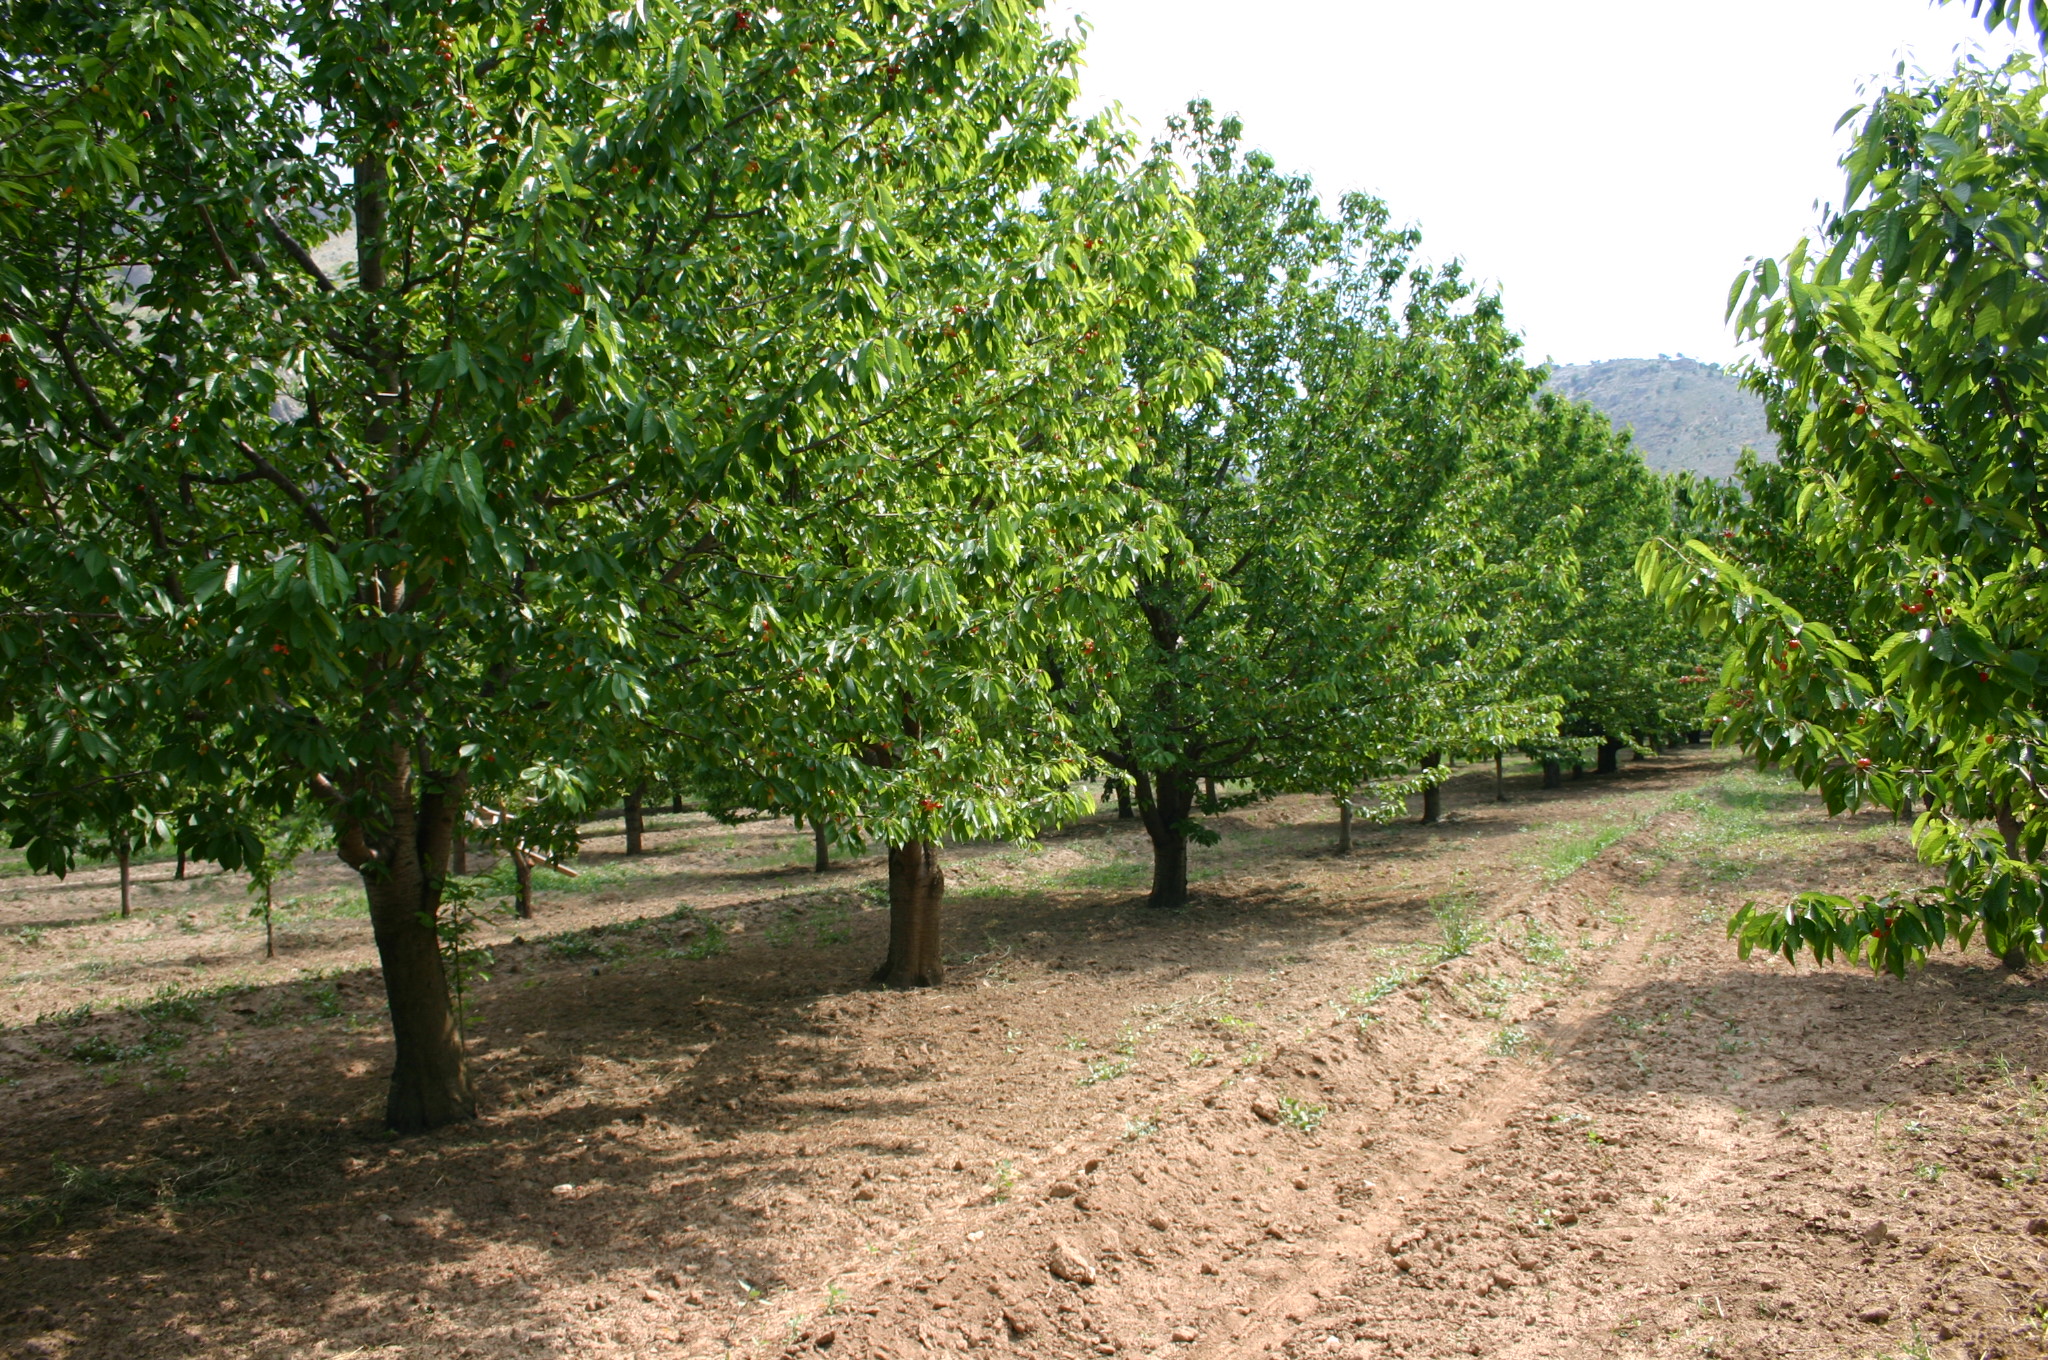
1687 416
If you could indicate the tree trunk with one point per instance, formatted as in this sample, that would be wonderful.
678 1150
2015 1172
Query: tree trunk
458 859
821 844
675 806
121 855
2015 956
1164 802
1433 796
636 820
1344 825
917 888
269 935
1692 738
1500 787
180 874
1553 774
1578 769
1208 794
403 860
1123 801
1609 758
522 879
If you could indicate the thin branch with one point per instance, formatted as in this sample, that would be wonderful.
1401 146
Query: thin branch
298 253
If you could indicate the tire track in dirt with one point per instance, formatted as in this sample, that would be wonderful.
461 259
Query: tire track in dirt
1479 1121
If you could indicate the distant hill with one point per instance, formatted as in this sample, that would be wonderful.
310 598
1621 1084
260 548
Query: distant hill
1686 415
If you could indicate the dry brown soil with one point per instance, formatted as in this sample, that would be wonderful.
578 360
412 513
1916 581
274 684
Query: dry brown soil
1498 1087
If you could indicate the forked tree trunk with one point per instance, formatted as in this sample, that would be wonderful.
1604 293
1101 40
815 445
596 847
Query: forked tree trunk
636 820
1344 825
1609 760
1164 802
1553 774
821 845
121 855
403 863
917 888
1433 796
1500 786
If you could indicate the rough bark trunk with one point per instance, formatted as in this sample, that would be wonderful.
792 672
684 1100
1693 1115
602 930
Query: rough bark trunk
1124 812
1500 786
1208 794
1433 796
403 864
1610 758
636 820
1553 774
1344 825
917 888
121 854
522 881
1164 802
821 844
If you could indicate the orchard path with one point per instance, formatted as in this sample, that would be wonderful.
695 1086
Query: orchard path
1498 1087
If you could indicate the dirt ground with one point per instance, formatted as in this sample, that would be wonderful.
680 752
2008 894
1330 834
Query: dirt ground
1498 1087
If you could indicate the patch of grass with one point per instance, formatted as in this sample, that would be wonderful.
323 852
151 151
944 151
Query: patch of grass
1509 1041
100 1049
176 1002
711 944
581 944
28 937
156 1184
1299 1114
70 1018
1540 949
1105 1069
1116 874
1572 848
1457 916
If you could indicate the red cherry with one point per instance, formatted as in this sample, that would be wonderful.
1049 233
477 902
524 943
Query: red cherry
1793 643
576 290
1983 675
1862 408
21 383
508 441
177 422
5 338
1928 499
1863 762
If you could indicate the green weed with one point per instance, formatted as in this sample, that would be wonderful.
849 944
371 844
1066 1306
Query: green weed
1299 1114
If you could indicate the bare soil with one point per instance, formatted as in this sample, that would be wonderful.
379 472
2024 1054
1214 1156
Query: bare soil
1497 1087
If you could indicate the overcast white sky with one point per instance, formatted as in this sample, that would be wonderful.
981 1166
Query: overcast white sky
1608 164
